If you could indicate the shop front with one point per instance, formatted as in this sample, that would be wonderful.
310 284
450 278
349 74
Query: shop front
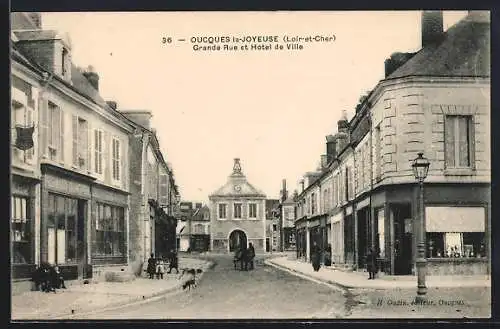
301 238
109 226
65 199
24 221
457 226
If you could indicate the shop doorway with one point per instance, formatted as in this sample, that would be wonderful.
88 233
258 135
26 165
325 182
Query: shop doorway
364 236
402 239
237 239
81 241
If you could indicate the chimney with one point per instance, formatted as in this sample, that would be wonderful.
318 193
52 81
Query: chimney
141 117
92 77
432 27
395 61
324 161
112 104
343 133
198 205
331 151
284 194
302 187
36 18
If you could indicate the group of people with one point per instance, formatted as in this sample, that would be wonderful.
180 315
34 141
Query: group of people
245 256
157 266
371 259
48 278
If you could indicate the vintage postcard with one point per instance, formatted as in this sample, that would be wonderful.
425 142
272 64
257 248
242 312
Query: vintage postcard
250 165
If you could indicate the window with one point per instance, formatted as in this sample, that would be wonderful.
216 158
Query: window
64 59
456 244
98 150
55 132
109 231
252 210
274 227
116 158
222 211
21 230
62 227
21 115
313 203
80 142
458 137
237 210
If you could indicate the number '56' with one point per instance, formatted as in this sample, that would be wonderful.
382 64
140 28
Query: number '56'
166 40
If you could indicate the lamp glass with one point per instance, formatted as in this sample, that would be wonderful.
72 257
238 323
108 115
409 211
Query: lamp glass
420 167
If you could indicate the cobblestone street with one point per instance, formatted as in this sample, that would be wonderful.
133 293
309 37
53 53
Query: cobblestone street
226 293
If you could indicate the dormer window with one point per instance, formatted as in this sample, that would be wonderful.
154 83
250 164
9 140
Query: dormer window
64 62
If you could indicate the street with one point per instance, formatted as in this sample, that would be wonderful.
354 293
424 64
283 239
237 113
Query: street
225 293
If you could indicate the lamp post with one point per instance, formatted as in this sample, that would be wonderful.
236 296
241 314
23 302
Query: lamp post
420 169
177 200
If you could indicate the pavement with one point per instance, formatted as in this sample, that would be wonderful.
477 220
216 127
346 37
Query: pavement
454 296
226 293
359 279
79 299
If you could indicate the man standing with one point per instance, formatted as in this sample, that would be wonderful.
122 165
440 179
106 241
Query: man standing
251 255
243 258
173 262
371 266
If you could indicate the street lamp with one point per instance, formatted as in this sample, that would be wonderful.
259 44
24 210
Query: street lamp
420 169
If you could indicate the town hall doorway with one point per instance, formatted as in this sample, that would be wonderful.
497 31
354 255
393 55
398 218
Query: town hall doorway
237 239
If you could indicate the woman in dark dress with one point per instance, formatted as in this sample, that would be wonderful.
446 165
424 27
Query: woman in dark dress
315 257
151 266
328 255
371 265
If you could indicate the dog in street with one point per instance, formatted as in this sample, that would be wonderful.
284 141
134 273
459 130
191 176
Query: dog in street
189 278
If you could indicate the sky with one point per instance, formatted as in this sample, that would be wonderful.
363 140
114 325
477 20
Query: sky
272 109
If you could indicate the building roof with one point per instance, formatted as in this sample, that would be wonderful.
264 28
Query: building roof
463 51
237 185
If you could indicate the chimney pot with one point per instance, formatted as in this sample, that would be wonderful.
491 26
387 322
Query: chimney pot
432 27
112 104
92 77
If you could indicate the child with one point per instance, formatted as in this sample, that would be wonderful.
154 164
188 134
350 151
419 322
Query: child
160 269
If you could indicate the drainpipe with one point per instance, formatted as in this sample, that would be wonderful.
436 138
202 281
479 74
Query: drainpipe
143 212
372 219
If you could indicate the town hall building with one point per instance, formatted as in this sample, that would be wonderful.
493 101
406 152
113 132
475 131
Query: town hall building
237 214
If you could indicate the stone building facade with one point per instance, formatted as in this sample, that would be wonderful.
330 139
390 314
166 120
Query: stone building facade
436 101
237 214
71 189
81 150
154 196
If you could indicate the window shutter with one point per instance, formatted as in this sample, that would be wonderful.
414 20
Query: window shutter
163 188
75 140
124 165
42 105
61 135
95 147
449 140
106 156
29 122
83 150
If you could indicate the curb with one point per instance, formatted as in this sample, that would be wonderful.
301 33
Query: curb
125 303
332 284
348 287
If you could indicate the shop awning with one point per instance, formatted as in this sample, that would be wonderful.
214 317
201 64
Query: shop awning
455 219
